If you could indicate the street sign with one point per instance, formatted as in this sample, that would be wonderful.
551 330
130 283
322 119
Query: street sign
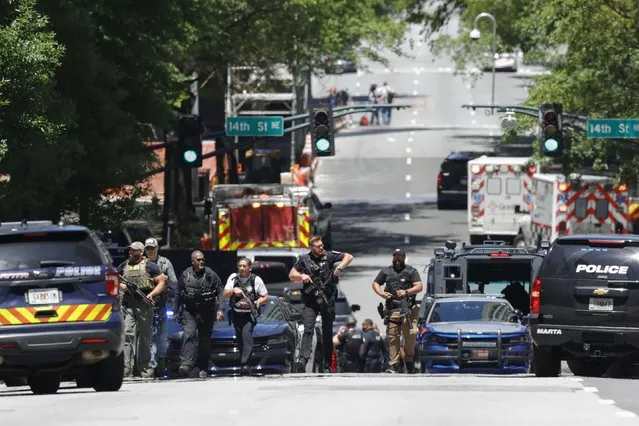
621 128
254 126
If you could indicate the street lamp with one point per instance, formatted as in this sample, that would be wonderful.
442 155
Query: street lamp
475 34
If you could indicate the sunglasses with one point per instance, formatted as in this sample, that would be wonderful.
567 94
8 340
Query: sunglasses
199 259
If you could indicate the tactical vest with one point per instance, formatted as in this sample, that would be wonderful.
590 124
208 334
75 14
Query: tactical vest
204 293
399 281
137 274
319 272
352 343
248 288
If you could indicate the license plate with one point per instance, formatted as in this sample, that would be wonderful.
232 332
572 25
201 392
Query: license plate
600 304
464 181
480 353
44 296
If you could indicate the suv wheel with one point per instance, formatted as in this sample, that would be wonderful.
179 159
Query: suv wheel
108 374
546 361
46 383
588 367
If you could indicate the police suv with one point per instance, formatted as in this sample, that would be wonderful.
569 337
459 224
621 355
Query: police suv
489 268
585 305
59 308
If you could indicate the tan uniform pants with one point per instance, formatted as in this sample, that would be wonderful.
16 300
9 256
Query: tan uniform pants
396 326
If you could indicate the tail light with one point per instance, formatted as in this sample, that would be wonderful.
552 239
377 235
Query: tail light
535 296
499 254
112 281
440 179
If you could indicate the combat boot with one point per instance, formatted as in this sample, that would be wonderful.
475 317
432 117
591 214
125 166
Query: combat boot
300 366
128 372
160 369
410 367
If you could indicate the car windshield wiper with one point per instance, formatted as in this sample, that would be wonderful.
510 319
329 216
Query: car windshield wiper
45 263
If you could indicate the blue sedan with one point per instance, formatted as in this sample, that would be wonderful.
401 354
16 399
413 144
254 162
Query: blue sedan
475 334
276 342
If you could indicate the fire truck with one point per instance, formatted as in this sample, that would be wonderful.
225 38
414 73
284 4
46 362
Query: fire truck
499 198
251 216
578 205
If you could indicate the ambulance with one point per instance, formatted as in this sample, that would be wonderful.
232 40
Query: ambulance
499 198
578 205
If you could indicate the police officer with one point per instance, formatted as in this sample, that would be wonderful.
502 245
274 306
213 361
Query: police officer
373 349
401 281
138 314
240 285
160 326
316 269
349 342
199 295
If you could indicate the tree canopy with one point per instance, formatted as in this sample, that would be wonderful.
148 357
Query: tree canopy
81 82
591 47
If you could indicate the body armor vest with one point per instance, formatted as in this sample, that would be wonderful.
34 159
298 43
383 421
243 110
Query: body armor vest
138 275
248 288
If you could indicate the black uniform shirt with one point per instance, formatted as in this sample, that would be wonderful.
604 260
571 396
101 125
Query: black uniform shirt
326 261
405 277
191 280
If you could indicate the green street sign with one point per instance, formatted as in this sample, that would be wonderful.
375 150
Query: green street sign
619 128
254 126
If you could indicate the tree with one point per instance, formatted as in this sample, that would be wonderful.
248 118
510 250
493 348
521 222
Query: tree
33 117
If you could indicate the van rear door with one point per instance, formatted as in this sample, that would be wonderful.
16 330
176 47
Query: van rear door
591 282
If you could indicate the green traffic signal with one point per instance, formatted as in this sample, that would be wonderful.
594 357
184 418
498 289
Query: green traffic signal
323 145
190 156
551 145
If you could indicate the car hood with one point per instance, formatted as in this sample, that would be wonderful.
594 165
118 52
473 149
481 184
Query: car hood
225 331
476 327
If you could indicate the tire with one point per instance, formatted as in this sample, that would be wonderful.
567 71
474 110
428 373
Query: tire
441 205
44 384
587 367
546 361
83 380
15 382
108 375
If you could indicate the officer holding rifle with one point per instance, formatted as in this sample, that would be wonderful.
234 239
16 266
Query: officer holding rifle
315 270
247 293
142 281
401 283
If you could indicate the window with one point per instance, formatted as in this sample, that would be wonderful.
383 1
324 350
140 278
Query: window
493 186
513 186
26 251
601 209
581 208
472 310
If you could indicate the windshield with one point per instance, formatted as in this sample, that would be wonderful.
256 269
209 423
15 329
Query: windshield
26 251
471 310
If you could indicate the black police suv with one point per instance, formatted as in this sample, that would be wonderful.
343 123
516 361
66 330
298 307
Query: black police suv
584 305
452 180
59 308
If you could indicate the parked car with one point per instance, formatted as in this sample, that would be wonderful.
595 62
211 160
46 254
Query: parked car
452 180
276 345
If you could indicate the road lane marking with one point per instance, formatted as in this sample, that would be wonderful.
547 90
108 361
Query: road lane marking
408 195
407 216
358 84
391 139
409 150
409 161
413 121
414 92
410 139
408 178
406 239
415 82
473 122
415 112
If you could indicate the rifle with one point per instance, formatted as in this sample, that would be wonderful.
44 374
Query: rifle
404 308
136 290
315 289
251 304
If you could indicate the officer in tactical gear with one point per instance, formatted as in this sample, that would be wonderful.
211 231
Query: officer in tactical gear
373 349
199 298
315 270
138 314
401 282
240 285
160 325
348 342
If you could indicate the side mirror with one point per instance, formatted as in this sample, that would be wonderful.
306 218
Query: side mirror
355 308
450 245
328 205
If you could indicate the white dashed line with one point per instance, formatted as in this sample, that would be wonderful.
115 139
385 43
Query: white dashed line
409 150
626 414
415 112
391 139
412 132
473 122
386 70
409 161
413 121
590 389
408 195
407 216
358 84
406 239
606 402
469 86
576 379
415 82
408 178
414 92
410 139
473 113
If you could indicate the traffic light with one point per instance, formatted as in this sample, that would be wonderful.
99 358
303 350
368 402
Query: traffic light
322 134
190 141
551 130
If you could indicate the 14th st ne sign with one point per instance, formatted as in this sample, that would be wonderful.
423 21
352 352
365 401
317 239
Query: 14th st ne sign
609 128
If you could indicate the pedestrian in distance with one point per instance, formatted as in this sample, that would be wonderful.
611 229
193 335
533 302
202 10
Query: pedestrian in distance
160 343
318 275
145 275
373 349
401 283
245 288
348 344
198 302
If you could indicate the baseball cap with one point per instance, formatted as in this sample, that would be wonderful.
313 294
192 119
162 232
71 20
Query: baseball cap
151 242
399 252
137 245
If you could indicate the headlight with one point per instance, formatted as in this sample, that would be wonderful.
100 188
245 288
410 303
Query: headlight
278 340
434 339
